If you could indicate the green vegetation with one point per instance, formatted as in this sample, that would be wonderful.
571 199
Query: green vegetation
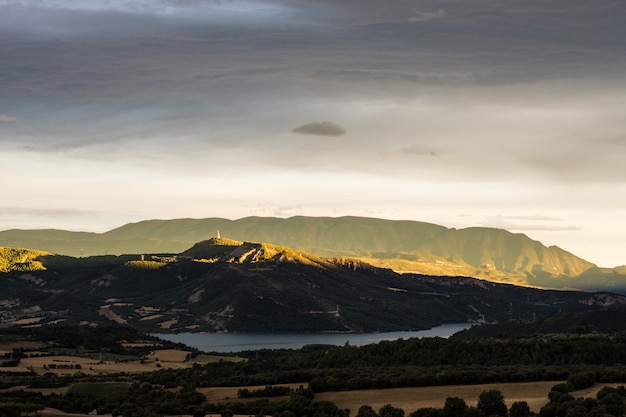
100 390
268 391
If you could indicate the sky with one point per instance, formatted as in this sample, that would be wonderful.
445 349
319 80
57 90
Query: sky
488 113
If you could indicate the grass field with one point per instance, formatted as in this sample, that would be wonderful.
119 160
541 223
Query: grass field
223 394
70 362
411 399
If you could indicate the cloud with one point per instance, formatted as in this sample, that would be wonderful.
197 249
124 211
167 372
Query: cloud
42 212
420 16
7 118
419 150
534 217
532 223
321 129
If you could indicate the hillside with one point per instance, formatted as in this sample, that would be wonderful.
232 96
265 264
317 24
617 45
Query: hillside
404 246
610 321
226 285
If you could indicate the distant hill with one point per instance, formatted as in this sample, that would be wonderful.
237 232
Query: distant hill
404 246
610 320
226 285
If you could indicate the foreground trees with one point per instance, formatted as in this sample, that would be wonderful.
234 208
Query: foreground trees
145 400
454 407
492 403
519 409
608 402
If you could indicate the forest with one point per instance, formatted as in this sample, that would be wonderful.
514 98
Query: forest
580 358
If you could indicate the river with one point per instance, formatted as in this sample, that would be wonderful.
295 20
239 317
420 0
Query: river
238 342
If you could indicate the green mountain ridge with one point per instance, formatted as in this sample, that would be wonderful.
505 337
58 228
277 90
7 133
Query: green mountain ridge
405 246
227 285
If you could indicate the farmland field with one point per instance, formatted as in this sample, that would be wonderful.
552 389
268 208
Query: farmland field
411 399
408 399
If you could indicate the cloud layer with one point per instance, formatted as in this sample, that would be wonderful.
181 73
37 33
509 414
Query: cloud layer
181 108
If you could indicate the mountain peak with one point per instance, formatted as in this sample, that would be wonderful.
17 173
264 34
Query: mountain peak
233 251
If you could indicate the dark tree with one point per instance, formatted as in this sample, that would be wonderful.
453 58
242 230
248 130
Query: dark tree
454 407
519 409
199 413
473 412
581 380
390 411
427 412
366 411
492 403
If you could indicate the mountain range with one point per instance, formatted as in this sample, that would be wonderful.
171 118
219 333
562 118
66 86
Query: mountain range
226 285
404 246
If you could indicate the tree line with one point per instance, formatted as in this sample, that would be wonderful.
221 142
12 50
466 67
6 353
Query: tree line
418 362
146 400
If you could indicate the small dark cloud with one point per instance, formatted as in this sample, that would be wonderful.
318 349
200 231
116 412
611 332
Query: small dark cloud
321 129
419 150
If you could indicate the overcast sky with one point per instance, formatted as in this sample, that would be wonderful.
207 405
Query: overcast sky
492 113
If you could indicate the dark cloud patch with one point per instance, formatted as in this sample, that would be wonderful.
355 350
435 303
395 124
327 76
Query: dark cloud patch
233 50
321 129
419 150
420 16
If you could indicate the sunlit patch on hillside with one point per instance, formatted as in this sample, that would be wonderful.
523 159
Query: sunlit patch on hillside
21 260
145 264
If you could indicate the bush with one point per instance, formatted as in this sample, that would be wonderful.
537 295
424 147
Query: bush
581 380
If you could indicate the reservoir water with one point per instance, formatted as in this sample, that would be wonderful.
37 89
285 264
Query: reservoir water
238 342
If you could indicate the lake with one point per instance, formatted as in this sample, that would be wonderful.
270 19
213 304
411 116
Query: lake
238 342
